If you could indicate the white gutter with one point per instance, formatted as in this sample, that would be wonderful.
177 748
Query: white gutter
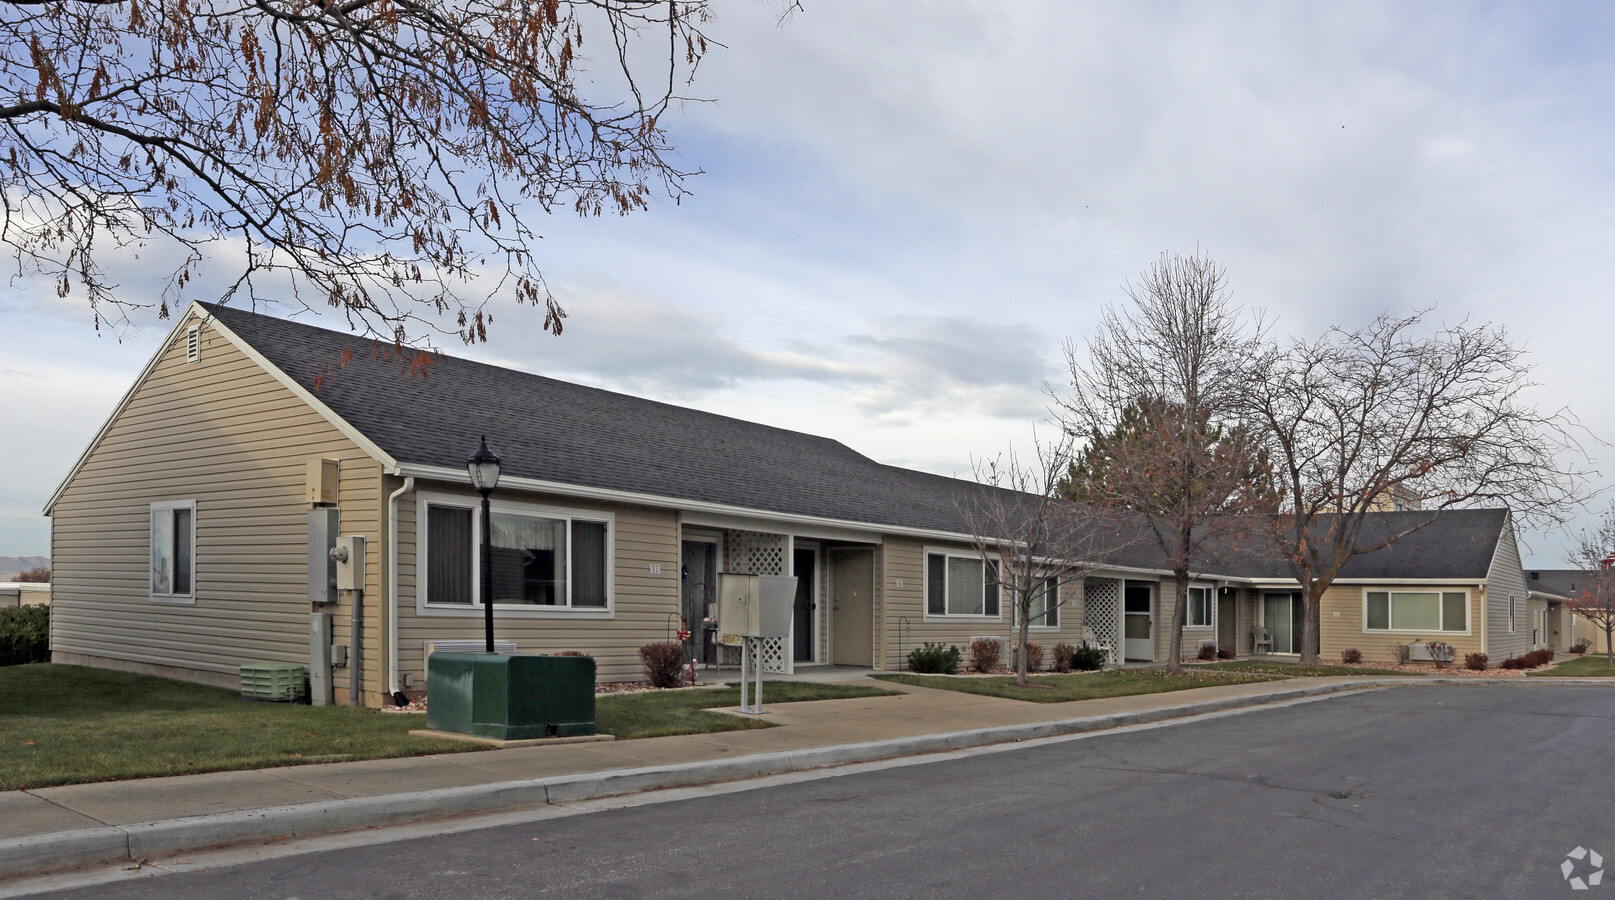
392 582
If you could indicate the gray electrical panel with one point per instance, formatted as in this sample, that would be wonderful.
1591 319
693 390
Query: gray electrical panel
322 535
319 659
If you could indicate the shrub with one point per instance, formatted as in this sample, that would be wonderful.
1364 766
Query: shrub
934 659
1062 656
1441 653
1476 661
575 653
1528 660
24 635
1581 646
1034 657
1087 659
984 654
1351 656
1207 652
1225 653
1513 662
664 663
1402 654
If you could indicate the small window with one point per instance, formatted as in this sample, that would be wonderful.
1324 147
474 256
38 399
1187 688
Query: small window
1199 607
1416 611
960 586
193 343
1044 609
173 556
1511 626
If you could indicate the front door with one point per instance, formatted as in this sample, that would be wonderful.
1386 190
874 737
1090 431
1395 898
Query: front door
1138 621
852 607
806 568
698 579
1282 616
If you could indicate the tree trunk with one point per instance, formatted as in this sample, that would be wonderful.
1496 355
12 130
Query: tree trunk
1024 604
1609 645
1311 618
1174 663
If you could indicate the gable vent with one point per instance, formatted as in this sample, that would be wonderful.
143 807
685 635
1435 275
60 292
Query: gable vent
193 343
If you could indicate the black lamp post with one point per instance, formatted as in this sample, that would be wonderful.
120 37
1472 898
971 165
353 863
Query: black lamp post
484 468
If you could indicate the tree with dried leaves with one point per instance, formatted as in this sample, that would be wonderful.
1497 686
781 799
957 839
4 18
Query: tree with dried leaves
36 575
381 157
1032 543
1593 553
1155 394
1360 422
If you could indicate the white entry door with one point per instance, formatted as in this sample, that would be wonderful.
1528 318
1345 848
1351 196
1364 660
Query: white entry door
1138 621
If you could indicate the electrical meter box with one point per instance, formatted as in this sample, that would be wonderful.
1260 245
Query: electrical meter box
756 605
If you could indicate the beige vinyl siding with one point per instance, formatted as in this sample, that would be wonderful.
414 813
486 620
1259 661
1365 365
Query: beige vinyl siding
1165 606
1506 577
226 434
641 602
1346 629
903 559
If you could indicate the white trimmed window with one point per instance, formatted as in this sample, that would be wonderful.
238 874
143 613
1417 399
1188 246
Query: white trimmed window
1416 611
1200 611
1041 612
173 551
957 584
538 558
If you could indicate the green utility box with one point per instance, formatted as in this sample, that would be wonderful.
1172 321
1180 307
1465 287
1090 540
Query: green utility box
510 698
281 682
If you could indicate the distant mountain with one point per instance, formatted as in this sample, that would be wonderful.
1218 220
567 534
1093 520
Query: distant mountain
11 566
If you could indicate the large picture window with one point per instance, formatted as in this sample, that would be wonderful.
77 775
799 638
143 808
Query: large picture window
1416 611
535 560
1199 607
960 585
173 557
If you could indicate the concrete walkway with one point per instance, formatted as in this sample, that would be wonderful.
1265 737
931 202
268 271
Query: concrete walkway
61 827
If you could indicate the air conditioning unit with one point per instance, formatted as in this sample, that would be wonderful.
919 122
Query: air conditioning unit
504 648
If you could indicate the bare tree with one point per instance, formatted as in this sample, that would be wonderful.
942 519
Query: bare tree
1360 422
1594 552
1032 542
1156 393
376 156
37 575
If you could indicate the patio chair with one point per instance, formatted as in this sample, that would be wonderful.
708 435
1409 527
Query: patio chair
1260 638
1108 648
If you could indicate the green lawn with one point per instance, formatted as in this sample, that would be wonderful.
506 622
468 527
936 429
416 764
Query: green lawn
68 724
1593 665
657 713
1079 686
1292 670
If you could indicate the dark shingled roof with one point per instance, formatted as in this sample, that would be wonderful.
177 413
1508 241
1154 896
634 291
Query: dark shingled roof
1451 543
1562 582
562 432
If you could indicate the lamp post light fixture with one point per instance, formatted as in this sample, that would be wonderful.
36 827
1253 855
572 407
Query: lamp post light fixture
483 466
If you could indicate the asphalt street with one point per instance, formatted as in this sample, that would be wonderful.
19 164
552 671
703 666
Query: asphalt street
1461 791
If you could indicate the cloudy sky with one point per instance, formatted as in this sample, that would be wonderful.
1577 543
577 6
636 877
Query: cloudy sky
907 207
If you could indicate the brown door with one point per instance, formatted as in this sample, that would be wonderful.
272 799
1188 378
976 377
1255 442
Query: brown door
852 607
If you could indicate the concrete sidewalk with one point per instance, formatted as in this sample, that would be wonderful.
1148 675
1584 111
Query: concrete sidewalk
62 827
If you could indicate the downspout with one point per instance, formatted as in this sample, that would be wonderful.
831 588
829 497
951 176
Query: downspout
392 583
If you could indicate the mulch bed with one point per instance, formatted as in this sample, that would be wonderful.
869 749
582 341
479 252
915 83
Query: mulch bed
418 705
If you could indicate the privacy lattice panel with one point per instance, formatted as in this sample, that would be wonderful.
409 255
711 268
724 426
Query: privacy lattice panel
1102 613
760 553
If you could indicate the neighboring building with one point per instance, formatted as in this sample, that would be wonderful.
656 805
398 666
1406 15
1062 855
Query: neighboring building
1550 616
179 538
24 593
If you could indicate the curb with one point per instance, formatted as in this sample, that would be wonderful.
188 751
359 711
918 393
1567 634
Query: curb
37 854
